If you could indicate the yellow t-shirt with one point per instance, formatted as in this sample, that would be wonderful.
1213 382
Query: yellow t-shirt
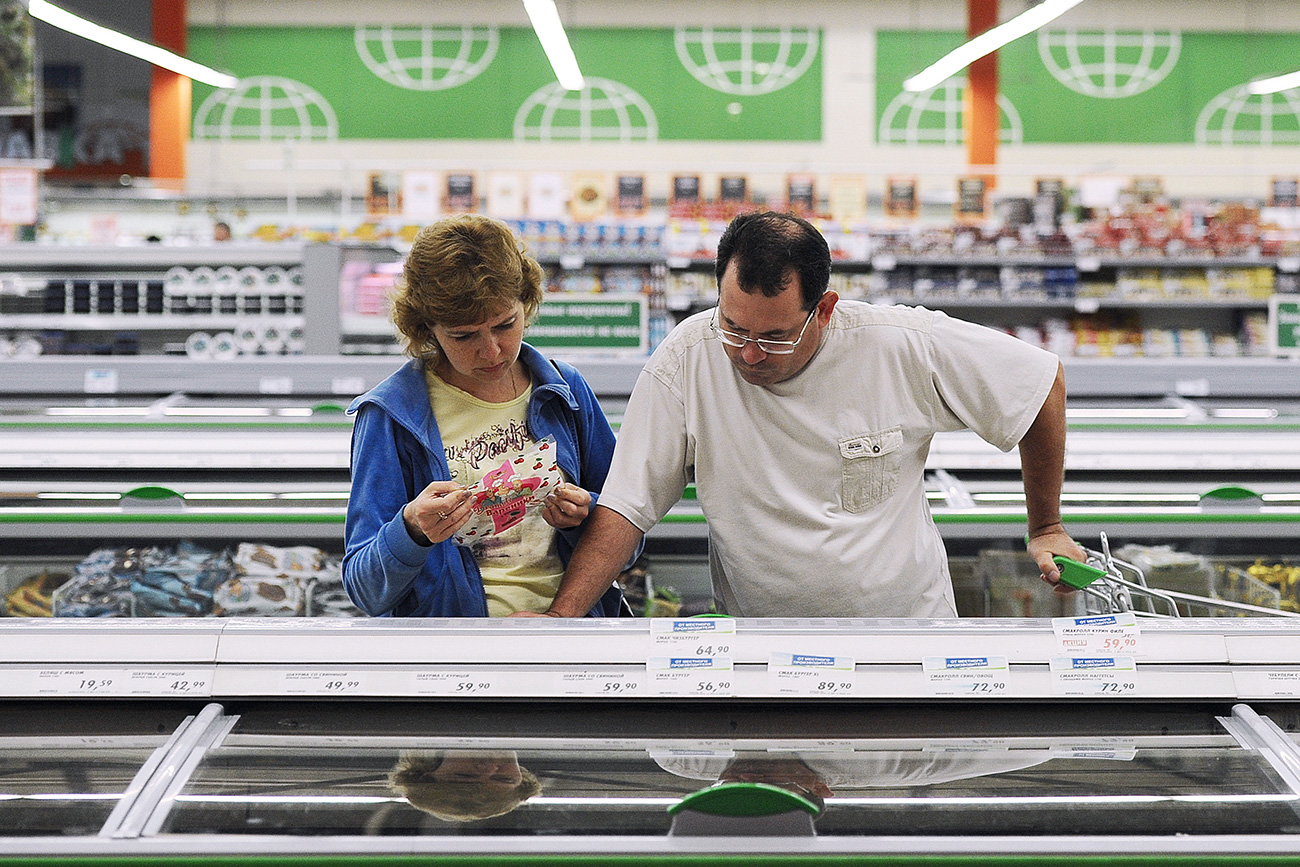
521 569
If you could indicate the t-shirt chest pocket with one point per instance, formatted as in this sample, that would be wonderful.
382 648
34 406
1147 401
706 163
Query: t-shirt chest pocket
869 466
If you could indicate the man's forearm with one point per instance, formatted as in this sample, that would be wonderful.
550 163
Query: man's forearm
1042 461
608 540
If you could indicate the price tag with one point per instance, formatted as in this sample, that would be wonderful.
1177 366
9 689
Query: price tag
322 683
966 675
275 385
1108 749
97 681
805 674
169 682
1094 675
98 381
600 683
347 385
1266 684
1097 635
453 683
702 636
691 675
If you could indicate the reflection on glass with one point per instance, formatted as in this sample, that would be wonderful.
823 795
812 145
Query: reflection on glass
1047 772
463 785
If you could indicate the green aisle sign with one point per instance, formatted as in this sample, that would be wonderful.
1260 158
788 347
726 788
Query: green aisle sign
1284 324
592 322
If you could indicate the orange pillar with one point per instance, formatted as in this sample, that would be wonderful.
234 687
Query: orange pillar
169 100
980 111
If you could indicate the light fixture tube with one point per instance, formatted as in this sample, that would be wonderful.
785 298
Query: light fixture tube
1274 84
546 22
987 42
53 15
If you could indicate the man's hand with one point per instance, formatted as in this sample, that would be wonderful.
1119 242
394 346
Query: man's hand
532 614
1048 542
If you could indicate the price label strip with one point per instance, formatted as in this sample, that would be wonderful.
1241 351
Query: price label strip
1098 635
600 683
1094 675
705 676
806 674
695 636
322 683
453 683
977 676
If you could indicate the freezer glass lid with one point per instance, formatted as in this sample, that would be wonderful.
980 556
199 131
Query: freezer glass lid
65 769
912 770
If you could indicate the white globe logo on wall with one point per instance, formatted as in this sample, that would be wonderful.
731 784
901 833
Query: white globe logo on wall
1109 64
745 61
934 117
267 108
428 57
1238 117
603 111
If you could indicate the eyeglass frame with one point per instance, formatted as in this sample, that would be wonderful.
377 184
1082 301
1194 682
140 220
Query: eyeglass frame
787 346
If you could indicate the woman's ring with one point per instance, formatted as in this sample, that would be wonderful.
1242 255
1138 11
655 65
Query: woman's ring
443 516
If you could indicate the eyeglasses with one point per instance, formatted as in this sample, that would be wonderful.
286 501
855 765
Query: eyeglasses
767 347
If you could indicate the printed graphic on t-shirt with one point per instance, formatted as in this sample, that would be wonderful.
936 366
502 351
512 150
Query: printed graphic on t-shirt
468 459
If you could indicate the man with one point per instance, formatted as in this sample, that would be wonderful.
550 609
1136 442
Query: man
805 422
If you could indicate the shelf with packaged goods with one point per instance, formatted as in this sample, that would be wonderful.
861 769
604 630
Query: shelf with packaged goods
151 300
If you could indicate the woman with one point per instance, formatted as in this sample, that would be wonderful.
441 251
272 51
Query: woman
473 396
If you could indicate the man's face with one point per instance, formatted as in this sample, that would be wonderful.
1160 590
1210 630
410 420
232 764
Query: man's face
756 316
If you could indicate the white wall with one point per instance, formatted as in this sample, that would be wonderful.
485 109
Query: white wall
217 168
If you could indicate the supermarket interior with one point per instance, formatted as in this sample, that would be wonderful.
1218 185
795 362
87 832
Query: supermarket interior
196 276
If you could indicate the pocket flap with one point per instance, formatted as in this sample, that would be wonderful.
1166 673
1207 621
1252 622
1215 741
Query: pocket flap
872 445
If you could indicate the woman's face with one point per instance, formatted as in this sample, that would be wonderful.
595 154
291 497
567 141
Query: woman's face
497 769
481 354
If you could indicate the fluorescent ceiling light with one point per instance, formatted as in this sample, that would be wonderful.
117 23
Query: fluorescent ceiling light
986 43
1274 84
546 21
51 14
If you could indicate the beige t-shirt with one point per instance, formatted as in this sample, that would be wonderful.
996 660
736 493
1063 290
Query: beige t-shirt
814 488
520 567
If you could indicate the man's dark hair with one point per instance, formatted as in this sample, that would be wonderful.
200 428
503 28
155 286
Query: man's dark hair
767 246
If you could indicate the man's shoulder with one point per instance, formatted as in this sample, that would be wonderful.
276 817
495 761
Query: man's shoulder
853 314
684 340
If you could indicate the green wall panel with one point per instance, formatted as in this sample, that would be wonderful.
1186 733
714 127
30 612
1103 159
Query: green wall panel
449 83
1100 87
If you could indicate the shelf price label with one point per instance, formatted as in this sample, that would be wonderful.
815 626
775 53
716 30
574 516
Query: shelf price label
809 674
463 683
1281 683
976 676
81 682
600 683
700 676
323 683
1098 635
1094 675
702 636
169 682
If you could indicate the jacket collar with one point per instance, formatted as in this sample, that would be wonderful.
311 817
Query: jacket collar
404 394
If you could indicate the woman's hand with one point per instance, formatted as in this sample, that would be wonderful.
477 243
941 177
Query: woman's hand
567 506
437 512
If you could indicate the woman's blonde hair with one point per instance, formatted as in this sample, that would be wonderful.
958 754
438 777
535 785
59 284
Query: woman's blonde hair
462 270
455 800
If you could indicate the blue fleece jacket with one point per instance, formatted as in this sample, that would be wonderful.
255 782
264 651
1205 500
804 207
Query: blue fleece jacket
397 451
